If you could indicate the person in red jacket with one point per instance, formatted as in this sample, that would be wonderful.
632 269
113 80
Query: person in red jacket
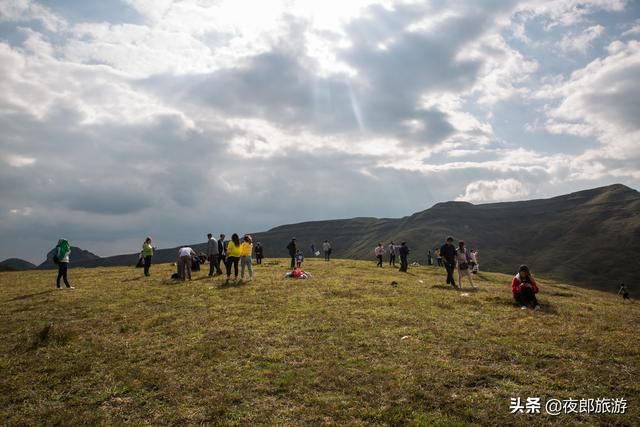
525 288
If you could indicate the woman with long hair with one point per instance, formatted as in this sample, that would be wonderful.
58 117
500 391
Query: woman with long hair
525 288
233 256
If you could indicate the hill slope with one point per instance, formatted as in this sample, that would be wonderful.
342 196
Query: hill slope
579 238
16 264
345 347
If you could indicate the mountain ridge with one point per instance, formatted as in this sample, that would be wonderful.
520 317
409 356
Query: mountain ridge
564 237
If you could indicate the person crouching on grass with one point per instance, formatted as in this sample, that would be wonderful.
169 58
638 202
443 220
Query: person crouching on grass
525 288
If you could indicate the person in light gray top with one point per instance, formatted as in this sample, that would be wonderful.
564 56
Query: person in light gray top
212 255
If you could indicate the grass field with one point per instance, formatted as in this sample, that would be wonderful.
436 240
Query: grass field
344 348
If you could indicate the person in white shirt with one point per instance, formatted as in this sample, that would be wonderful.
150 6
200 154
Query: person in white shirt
392 254
185 254
326 248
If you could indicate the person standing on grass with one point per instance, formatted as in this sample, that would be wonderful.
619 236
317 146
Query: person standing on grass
448 254
429 259
404 253
326 248
525 288
233 256
475 267
61 257
259 253
185 255
222 253
463 259
299 258
625 293
379 253
246 248
212 255
147 253
438 258
392 254
292 248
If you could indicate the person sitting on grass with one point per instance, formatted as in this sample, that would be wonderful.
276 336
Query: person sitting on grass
297 273
299 258
525 288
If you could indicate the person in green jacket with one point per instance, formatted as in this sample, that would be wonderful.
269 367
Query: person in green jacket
147 253
61 257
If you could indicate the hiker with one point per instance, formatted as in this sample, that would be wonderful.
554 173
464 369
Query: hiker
222 253
147 253
299 258
438 258
404 252
625 293
246 248
259 253
233 256
291 247
379 253
61 257
212 254
429 259
392 254
463 260
326 248
475 267
448 256
185 256
313 249
525 288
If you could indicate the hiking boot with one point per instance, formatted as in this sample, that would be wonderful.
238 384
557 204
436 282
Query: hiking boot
524 307
70 287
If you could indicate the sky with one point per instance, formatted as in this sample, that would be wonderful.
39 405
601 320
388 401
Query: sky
131 118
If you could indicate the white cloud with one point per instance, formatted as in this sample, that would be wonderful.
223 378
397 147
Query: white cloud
18 161
494 191
581 42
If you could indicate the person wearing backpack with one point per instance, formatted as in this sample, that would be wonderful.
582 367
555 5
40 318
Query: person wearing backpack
259 253
61 257
464 263
379 253
147 253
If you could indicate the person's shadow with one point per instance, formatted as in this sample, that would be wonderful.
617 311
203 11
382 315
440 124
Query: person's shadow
21 297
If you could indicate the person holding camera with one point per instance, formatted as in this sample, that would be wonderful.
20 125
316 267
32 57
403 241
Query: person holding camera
525 288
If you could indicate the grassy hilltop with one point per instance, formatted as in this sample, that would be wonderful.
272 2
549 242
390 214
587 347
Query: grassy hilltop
346 347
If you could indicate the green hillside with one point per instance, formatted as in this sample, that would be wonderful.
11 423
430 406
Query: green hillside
347 347
576 238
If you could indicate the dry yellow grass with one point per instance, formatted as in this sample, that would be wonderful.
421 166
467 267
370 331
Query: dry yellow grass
122 348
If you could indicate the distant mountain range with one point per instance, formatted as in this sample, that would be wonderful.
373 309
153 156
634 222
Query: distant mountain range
15 264
590 238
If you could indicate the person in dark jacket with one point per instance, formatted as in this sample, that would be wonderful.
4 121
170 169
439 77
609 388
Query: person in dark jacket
291 247
212 255
404 253
259 252
448 254
222 253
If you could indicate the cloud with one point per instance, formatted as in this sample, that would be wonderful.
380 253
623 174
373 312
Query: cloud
494 191
581 42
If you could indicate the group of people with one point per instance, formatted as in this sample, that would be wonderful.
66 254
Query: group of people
401 250
238 251
297 257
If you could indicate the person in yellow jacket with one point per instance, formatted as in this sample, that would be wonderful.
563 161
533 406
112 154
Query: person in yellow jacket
233 256
246 248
